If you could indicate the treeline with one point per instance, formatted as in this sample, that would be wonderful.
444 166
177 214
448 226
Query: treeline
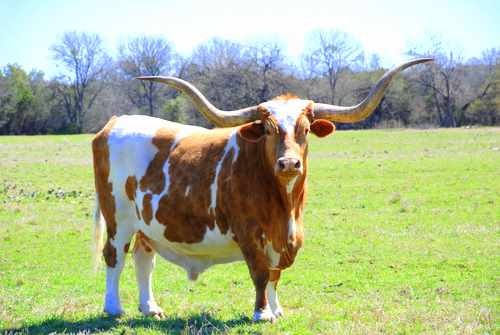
92 86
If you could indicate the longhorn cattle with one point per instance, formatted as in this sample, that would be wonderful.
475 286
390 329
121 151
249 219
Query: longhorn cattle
200 197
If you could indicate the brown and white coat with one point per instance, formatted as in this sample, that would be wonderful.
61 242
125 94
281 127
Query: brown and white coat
200 197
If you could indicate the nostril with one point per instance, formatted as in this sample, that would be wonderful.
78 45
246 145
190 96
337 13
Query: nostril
297 165
281 164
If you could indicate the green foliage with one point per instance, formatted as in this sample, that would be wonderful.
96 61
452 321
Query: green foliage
402 237
172 110
25 101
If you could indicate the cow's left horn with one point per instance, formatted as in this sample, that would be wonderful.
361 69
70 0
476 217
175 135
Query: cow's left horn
218 117
366 107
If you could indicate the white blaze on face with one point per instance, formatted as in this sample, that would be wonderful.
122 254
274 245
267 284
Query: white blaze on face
231 144
286 112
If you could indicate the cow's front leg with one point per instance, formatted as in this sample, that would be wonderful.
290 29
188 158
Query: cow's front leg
272 295
144 257
258 266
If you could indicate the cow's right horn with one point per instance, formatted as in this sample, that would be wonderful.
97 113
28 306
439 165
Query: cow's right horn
366 107
218 117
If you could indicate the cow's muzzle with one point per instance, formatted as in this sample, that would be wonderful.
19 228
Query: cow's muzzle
289 166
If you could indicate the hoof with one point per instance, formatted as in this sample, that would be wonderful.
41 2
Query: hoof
154 311
158 315
114 313
264 316
112 307
278 313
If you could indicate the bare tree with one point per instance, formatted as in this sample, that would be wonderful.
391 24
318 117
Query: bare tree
86 63
374 64
146 56
224 71
268 61
486 81
446 81
332 54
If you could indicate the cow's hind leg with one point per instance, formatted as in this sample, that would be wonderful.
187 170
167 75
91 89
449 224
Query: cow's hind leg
144 256
114 252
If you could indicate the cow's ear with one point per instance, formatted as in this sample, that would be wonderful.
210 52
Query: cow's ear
322 128
252 132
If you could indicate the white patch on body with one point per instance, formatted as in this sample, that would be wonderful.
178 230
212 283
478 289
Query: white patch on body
272 255
231 144
291 229
131 149
286 112
188 189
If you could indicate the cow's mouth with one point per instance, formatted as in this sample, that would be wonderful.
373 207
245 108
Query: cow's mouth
286 177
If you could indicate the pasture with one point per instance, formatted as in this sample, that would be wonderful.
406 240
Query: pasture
402 235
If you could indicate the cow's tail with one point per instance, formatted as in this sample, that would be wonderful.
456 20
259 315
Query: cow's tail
99 225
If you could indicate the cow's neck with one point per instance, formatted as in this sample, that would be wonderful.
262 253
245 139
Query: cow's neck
280 218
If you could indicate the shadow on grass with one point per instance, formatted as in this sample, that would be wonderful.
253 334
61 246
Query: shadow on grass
202 323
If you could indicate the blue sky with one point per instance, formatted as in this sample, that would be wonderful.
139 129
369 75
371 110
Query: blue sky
385 27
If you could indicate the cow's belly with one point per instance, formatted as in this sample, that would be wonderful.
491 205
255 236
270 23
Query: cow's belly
215 248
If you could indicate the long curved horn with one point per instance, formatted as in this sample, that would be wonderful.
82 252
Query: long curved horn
218 117
366 107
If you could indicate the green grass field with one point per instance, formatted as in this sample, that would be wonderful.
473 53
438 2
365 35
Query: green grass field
402 237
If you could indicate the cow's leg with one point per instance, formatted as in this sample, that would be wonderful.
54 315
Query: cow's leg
258 266
144 257
272 295
114 252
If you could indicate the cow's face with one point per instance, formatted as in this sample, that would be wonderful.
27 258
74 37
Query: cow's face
286 122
